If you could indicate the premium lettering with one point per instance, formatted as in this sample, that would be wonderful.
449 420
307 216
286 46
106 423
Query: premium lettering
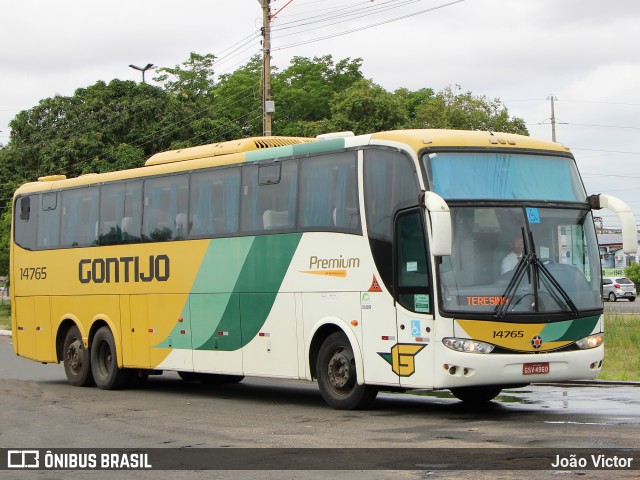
333 263
124 269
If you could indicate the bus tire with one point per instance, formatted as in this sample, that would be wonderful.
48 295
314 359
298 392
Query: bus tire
76 359
477 395
337 377
104 362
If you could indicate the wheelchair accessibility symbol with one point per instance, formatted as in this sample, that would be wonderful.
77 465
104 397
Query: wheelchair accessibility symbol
415 328
533 215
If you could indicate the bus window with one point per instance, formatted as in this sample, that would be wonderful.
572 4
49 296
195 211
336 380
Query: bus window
390 183
79 222
165 208
132 219
329 192
111 213
411 263
49 222
215 202
26 221
269 205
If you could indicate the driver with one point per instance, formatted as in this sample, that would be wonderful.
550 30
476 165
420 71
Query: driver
510 261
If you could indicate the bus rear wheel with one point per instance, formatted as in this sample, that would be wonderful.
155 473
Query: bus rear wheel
337 377
76 359
104 362
477 395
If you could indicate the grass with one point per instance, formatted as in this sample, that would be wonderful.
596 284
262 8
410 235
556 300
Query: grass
621 347
5 315
622 344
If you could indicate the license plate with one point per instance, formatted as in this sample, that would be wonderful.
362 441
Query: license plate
535 368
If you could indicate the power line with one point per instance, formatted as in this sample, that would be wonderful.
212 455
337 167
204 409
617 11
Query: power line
325 37
599 126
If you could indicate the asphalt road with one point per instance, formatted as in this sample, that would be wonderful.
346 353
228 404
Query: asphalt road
38 409
624 307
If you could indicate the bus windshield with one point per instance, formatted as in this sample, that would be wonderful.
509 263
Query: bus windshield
514 252
521 260
503 175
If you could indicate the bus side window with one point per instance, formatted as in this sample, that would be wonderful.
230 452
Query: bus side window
215 202
269 203
329 193
132 219
26 222
112 198
79 223
166 202
49 222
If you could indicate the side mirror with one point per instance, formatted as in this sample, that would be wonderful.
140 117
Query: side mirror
440 216
625 216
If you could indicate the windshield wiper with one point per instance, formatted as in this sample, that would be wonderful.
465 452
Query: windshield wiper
520 270
565 296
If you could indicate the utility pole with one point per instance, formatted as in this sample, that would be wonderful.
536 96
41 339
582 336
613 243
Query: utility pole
267 104
553 119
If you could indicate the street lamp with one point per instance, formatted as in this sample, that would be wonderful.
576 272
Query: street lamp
143 69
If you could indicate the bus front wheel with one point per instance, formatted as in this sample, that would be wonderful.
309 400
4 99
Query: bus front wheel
337 378
476 395
76 360
104 362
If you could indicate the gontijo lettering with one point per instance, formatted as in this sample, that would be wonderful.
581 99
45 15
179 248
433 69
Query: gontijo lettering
124 269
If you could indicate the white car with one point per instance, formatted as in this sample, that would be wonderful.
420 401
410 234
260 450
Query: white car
614 288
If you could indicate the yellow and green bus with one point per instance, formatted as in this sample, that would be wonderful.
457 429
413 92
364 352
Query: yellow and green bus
367 263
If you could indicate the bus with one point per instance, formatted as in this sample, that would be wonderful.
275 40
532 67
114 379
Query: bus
365 263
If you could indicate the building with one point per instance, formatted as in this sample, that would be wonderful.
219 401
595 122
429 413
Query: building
612 258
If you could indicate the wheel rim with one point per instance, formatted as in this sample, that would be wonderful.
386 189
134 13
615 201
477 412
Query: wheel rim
105 358
612 297
73 356
340 372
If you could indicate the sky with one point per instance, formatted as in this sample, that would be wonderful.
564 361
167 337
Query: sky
584 53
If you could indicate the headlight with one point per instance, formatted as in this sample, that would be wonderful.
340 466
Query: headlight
592 341
466 345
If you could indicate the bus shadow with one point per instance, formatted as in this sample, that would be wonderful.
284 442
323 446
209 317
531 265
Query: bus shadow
277 392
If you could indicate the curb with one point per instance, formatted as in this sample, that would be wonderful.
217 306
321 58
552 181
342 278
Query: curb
592 383
5 333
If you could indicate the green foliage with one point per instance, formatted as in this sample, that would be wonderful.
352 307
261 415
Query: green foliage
366 108
632 272
194 80
238 100
466 111
5 234
304 91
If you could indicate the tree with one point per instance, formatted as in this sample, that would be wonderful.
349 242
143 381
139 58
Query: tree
304 91
466 111
632 272
69 134
238 100
195 79
414 100
366 108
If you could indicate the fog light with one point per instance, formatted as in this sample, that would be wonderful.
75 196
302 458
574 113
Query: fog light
592 341
466 345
